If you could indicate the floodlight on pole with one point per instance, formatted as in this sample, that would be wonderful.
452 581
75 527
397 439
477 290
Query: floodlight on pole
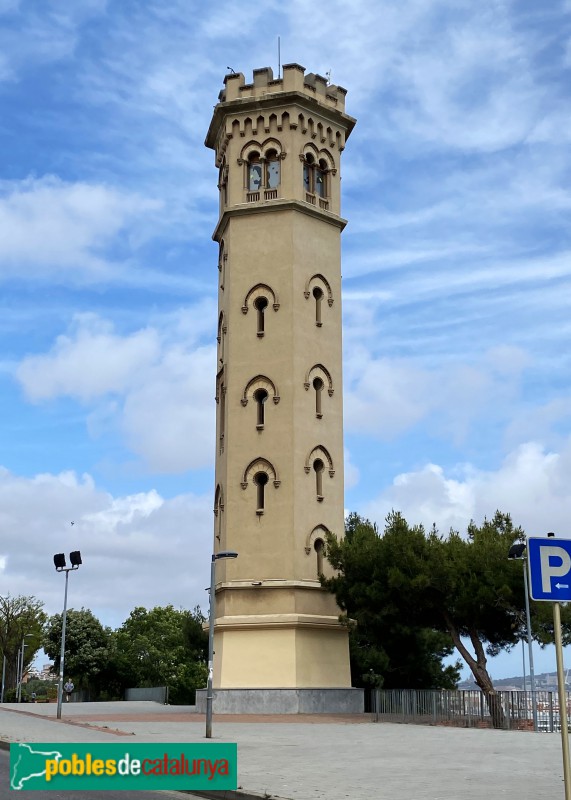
517 552
212 605
60 565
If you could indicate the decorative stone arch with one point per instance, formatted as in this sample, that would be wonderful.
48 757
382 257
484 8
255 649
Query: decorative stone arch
260 465
319 452
222 331
316 279
260 290
319 532
262 148
218 512
260 382
222 254
273 144
218 500
323 373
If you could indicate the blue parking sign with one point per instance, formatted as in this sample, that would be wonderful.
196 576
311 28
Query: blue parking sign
549 562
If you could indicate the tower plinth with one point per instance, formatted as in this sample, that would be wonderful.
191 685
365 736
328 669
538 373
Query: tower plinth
279 430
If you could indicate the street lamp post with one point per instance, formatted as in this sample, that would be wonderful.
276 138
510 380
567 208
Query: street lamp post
517 552
20 671
60 565
211 609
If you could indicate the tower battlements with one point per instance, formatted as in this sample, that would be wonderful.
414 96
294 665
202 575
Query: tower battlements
294 80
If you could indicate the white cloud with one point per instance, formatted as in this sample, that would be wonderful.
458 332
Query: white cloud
156 384
52 228
388 396
90 361
351 471
139 549
531 484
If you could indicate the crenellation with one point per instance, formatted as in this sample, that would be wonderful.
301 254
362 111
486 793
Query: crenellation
294 80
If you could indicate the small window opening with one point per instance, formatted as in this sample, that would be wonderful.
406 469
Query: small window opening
308 174
272 170
260 304
318 386
319 546
260 396
321 179
222 416
319 467
255 173
260 479
318 295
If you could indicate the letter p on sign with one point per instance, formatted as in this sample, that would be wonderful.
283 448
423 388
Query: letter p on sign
555 562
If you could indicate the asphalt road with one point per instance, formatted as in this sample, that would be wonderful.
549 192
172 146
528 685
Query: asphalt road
71 795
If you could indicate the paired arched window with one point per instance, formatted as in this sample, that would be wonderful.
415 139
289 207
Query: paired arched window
263 170
315 176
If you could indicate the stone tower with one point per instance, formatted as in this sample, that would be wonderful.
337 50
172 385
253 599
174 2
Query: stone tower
279 432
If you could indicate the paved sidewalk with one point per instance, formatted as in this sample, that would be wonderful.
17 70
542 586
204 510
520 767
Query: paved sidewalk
312 759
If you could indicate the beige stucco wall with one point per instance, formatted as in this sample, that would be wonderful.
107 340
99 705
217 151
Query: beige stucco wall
288 245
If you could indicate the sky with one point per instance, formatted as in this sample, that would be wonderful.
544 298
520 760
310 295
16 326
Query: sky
456 275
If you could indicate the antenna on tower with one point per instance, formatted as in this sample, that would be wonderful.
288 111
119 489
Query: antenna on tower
328 76
279 59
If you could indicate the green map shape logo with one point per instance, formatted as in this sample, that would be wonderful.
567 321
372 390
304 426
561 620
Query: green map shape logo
118 765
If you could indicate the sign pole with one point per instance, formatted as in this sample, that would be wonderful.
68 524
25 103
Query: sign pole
562 699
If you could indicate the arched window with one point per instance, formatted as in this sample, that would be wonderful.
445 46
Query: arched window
318 386
319 546
260 304
223 182
321 178
272 169
318 468
309 174
222 407
260 396
218 510
318 295
260 479
255 173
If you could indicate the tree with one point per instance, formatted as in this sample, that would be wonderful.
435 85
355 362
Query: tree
163 647
461 586
389 645
21 620
87 648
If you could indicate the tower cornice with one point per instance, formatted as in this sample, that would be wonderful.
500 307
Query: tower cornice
271 206
271 100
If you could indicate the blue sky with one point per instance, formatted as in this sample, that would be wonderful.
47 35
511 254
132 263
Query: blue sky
456 274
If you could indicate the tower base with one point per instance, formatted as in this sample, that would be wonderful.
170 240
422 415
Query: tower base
283 701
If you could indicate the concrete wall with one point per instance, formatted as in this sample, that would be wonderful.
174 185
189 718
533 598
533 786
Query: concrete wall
157 694
283 701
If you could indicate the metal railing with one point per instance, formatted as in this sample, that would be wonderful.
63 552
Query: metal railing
513 710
